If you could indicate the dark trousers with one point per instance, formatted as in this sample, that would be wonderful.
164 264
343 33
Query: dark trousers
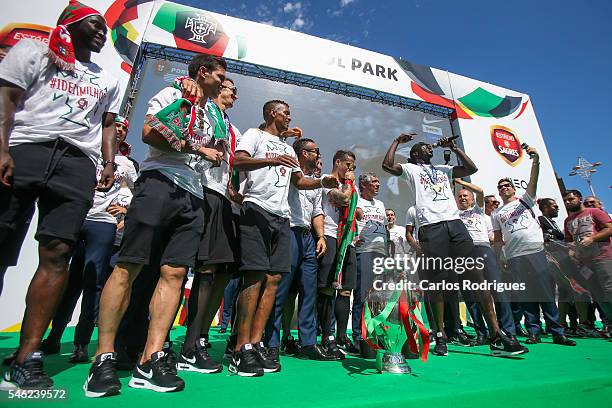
88 274
229 297
502 299
534 271
304 270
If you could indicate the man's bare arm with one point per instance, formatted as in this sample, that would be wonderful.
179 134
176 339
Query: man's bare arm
10 97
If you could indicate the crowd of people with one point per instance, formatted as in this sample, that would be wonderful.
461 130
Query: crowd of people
258 225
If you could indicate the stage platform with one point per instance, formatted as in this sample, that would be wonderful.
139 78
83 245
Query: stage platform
548 376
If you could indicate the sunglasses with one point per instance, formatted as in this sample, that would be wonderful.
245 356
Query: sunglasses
499 187
315 150
590 203
234 90
350 166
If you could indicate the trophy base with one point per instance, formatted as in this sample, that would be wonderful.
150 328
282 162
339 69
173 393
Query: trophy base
394 363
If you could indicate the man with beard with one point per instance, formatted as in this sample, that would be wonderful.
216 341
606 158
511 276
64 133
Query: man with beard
336 200
37 132
473 216
162 228
590 229
442 235
218 245
517 229
271 166
306 215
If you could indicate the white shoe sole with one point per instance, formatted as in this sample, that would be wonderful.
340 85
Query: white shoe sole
92 394
234 370
192 368
7 385
144 384
502 353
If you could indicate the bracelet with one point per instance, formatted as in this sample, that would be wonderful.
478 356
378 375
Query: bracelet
110 162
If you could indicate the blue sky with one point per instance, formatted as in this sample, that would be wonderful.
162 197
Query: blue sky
558 52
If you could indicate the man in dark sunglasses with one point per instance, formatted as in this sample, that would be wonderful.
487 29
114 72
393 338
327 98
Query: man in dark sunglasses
518 231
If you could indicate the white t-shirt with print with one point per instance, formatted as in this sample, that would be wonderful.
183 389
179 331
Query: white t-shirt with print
475 221
216 178
58 103
304 206
397 235
372 227
520 230
179 167
103 199
430 191
268 187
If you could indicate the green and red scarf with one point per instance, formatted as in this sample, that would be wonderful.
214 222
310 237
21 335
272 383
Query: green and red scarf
61 48
347 229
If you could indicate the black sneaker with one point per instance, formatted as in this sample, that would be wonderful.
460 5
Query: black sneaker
461 339
206 342
533 339
157 375
198 360
245 362
172 359
102 380
520 332
481 340
273 354
347 346
290 346
441 349
48 347
230 345
268 365
563 341
79 354
28 375
466 334
504 346
330 347
315 352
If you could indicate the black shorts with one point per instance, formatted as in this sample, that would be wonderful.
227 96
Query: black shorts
57 174
327 267
9 255
265 240
443 240
164 222
218 244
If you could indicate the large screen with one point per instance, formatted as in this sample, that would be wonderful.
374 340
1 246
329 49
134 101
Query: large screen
334 121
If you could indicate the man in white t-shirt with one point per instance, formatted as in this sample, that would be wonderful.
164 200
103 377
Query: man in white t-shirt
218 246
442 235
517 229
371 243
271 166
162 227
398 245
334 201
473 216
490 204
89 265
307 222
58 115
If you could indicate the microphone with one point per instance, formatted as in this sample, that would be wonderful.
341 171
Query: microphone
437 144
525 146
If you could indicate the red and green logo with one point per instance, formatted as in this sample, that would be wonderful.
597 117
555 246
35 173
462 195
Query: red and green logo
506 144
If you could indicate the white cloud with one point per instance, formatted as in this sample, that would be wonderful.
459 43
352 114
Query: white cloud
298 23
344 3
290 7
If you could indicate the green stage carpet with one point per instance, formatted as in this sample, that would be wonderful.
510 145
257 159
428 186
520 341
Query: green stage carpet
548 376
